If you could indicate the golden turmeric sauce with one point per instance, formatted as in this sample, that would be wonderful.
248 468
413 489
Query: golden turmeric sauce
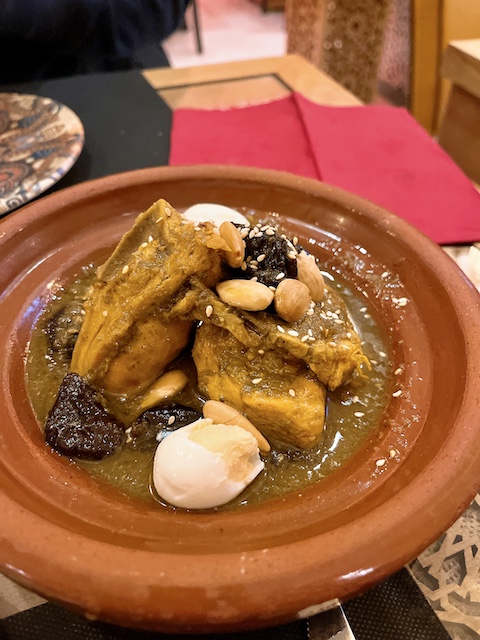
351 414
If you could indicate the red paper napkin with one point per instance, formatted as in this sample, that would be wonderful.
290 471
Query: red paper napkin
378 152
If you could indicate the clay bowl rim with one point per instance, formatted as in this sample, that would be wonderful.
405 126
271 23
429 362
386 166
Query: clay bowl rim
26 560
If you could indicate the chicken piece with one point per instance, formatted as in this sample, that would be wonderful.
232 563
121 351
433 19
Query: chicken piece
326 340
277 393
132 329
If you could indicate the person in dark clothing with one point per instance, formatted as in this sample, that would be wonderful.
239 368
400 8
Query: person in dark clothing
41 39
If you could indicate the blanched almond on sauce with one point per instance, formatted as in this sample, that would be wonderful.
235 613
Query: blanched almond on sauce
292 299
309 274
221 413
245 294
232 237
165 387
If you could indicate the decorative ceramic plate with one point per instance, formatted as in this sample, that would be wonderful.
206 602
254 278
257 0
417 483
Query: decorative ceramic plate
40 140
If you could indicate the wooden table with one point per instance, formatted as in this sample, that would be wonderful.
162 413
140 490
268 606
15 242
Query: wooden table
236 84
459 132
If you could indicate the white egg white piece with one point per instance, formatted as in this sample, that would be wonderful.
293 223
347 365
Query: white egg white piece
205 465
214 213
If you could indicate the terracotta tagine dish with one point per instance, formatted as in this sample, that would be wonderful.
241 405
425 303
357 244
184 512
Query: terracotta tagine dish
365 479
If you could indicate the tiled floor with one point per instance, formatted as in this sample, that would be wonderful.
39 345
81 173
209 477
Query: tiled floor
231 30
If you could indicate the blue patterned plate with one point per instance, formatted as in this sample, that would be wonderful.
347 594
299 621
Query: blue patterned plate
40 140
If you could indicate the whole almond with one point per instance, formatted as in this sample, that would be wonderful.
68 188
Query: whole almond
165 387
292 299
309 274
245 294
234 240
221 413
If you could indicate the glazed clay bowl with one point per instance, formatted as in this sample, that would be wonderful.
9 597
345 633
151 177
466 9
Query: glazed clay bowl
129 562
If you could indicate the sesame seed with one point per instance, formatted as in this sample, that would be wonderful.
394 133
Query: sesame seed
398 371
144 244
392 453
367 316
283 237
168 211
292 392
397 394
196 227
171 420
384 274
158 220
253 266
331 344
295 240
310 332
216 231
159 436
253 263
82 311
363 309
125 269
261 352
358 414
311 338
209 310
382 354
129 430
374 362
243 266
355 399
251 233
380 462
272 288
265 227
256 380
280 276
402 303
185 221
280 328
270 232
310 312
304 339
338 321
105 314
261 257
253 279
293 333
150 239
244 232
349 334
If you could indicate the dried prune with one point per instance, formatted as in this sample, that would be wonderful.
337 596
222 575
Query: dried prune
275 255
78 425
63 329
160 420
